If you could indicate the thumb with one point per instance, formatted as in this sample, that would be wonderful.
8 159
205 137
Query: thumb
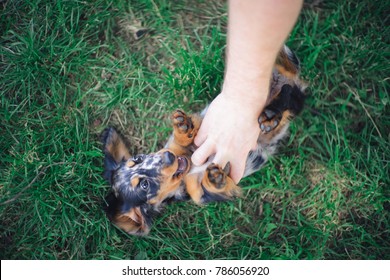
203 152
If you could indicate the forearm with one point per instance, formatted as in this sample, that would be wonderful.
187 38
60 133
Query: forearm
230 128
257 30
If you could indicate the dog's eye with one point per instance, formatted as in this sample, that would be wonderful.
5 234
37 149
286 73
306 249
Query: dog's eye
139 158
144 184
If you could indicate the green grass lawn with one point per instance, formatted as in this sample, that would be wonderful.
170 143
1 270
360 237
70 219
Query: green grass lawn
68 69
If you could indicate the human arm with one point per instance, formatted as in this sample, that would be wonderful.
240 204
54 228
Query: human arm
256 32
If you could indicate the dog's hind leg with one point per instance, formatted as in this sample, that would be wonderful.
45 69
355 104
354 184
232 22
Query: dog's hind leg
287 104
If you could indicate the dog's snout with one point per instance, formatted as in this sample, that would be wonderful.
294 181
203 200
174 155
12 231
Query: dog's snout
168 158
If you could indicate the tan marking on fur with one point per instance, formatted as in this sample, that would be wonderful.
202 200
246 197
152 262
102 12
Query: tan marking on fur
178 149
132 222
134 182
285 66
135 216
130 163
285 72
167 188
193 187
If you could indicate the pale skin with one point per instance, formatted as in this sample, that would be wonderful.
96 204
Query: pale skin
257 30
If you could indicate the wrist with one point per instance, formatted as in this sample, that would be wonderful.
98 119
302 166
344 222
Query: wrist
251 93
247 106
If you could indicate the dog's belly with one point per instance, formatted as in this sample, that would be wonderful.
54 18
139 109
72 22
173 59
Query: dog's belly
256 158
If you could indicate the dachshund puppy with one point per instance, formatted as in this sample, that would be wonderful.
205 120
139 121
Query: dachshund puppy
142 183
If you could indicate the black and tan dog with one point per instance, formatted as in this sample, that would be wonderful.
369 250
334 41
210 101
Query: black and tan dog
142 183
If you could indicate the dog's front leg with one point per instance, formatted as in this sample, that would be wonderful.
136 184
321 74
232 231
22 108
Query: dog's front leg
185 128
212 185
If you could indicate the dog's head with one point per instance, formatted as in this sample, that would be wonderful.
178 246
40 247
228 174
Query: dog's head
139 183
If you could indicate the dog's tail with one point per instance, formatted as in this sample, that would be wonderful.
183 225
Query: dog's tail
287 63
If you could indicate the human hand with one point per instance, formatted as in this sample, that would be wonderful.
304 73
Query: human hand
229 130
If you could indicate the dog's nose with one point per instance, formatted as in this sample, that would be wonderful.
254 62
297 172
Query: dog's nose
168 158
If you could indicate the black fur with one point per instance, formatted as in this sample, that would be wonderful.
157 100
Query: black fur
290 98
110 165
256 161
211 197
297 100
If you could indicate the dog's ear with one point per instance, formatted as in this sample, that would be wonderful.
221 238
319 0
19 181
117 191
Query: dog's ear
132 220
115 151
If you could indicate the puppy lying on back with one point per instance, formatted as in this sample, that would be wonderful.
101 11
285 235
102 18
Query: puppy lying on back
141 183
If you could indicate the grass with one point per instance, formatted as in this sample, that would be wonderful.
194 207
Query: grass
71 68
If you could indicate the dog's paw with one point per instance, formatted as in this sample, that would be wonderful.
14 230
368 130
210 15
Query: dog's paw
182 123
216 175
269 120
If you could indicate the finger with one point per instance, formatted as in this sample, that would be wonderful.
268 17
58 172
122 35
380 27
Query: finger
221 158
237 170
201 136
203 152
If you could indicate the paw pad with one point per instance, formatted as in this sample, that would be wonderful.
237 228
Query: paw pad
182 122
269 120
216 175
